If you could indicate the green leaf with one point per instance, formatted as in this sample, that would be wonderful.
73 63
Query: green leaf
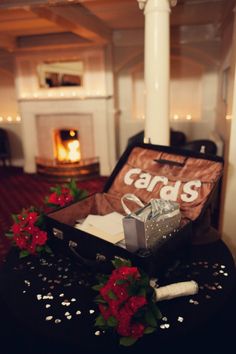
150 319
121 281
97 287
155 310
40 220
112 321
100 321
48 249
99 299
149 330
9 234
24 254
112 295
102 278
141 292
72 185
127 341
39 248
15 218
121 262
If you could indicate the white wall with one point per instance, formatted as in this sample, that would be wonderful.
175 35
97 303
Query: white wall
228 128
229 214
9 109
193 88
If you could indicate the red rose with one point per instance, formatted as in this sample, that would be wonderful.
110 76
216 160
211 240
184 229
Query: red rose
16 228
31 248
20 241
40 237
125 272
137 330
135 302
32 217
124 329
53 198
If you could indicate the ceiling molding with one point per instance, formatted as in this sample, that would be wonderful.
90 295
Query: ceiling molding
18 4
56 40
198 55
76 19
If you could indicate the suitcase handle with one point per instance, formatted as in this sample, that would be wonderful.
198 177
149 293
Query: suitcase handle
100 258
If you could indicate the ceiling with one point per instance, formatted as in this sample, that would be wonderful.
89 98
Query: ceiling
41 24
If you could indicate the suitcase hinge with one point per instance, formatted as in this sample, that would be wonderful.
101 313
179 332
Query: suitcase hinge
57 233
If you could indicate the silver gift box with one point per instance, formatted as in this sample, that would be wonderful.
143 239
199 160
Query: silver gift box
151 225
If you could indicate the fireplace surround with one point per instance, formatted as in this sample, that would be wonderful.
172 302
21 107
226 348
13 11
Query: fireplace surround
90 116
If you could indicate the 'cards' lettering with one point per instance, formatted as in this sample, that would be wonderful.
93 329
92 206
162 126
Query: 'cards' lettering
146 181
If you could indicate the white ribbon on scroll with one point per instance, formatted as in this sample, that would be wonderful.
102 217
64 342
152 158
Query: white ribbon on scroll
172 291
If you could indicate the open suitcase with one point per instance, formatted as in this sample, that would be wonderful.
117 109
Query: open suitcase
148 171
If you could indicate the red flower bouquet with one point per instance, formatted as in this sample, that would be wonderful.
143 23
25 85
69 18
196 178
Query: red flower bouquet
27 232
63 195
127 303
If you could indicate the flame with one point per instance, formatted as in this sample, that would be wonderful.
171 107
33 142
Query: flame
74 151
70 152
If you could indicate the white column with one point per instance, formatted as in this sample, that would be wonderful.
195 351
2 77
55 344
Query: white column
157 70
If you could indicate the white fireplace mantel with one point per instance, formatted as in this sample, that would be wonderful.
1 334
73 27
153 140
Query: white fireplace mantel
98 109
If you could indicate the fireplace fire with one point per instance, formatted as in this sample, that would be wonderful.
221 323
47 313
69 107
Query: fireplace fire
68 161
67 146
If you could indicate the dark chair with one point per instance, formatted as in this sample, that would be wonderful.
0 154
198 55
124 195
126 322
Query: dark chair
203 145
5 154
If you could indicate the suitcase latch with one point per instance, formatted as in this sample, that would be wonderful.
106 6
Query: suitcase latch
57 233
72 244
100 257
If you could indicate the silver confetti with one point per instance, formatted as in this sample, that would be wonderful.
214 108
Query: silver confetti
61 295
78 312
97 333
49 318
73 299
47 306
180 319
58 320
91 311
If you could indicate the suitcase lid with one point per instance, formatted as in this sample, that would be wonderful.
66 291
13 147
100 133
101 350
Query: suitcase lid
155 171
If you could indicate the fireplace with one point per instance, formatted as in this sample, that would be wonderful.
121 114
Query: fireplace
67 145
89 117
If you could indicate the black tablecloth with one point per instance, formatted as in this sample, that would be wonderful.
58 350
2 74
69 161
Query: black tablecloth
47 306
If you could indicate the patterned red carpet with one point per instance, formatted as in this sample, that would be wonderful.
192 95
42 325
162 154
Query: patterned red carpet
19 190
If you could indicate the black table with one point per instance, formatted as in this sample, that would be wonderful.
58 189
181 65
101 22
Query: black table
47 307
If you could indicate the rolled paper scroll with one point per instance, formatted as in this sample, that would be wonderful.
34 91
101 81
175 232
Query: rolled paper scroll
172 291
